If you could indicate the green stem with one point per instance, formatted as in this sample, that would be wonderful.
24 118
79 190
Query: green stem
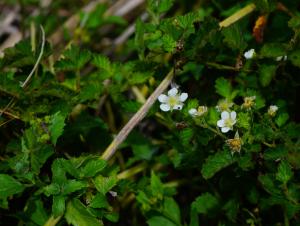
52 221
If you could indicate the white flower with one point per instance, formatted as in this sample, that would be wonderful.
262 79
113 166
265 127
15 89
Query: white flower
224 105
249 54
280 58
249 102
174 100
272 110
198 112
227 121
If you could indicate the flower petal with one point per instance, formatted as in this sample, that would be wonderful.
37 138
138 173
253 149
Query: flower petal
172 92
225 115
221 123
163 98
193 111
225 129
177 107
183 97
233 115
165 107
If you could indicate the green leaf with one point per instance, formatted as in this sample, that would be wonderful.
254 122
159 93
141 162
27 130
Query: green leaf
9 186
159 221
78 215
294 22
112 216
205 203
272 50
74 59
215 163
233 37
244 120
281 119
36 211
266 74
172 210
295 58
56 127
51 189
93 167
267 182
169 44
156 186
160 6
223 87
284 173
58 205
186 135
99 201
58 172
104 63
72 186
231 208
104 184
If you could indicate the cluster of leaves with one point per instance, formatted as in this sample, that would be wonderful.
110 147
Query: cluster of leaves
54 130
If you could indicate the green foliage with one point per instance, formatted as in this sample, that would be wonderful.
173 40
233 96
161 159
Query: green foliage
215 163
205 203
176 168
233 38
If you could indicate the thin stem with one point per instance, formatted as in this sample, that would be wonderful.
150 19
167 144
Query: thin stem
24 84
238 15
53 221
132 171
137 117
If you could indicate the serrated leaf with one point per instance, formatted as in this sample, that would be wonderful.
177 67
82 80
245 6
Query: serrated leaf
294 22
156 186
93 167
56 127
267 182
281 119
186 135
233 37
223 87
231 208
266 74
169 44
72 186
58 205
159 221
284 173
205 203
243 120
272 50
104 63
9 186
78 215
215 163
99 201
172 210
104 184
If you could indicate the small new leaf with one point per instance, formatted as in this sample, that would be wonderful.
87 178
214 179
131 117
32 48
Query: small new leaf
56 127
284 173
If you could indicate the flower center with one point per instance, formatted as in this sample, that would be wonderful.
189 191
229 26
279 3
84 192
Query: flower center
173 101
228 122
